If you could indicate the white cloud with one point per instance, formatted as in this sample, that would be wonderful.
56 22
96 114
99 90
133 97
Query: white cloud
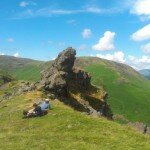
146 48
53 58
106 42
142 34
139 63
2 54
16 55
118 56
82 47
10 40
23 4
93 9
141 8
49 12
86 33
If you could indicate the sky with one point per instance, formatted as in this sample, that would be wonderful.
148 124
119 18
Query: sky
117 30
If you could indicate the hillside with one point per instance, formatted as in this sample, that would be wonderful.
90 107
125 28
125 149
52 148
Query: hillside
128 90
62 128
4 77
145 73
21 68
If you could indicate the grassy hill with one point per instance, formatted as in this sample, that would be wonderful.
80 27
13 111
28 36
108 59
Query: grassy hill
128 90
63 128
21 68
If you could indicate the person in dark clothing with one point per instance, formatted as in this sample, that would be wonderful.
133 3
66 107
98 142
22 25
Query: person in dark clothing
37 110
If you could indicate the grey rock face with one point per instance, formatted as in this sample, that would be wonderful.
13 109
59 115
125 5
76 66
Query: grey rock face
65 60
25 87
56 78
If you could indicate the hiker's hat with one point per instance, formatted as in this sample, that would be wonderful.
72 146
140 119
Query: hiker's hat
47 100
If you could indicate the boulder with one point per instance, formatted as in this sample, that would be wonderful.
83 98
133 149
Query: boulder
65 60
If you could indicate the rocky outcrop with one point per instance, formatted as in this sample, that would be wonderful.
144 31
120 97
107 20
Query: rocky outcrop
62 80
140 127
56 78
26 87
18 89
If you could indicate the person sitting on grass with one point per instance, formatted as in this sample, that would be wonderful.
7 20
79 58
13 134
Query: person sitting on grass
38 109
45 106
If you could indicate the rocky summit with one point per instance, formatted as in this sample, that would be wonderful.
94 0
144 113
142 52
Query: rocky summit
57 77
73 86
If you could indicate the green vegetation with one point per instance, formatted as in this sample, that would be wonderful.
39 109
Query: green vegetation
30 72
21 68
128 94
62 128
4 77
128 90
65 128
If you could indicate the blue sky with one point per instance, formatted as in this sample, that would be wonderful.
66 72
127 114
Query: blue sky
111 29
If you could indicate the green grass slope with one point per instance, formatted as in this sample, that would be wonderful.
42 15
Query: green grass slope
62 128
22 68
128 91
30 72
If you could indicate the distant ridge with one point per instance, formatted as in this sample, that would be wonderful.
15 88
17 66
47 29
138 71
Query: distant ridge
145 73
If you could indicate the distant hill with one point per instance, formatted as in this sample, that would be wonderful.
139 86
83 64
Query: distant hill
21 68
145 73
128 90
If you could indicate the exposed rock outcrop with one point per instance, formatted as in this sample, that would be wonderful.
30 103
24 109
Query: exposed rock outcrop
56 78
140 127
64 81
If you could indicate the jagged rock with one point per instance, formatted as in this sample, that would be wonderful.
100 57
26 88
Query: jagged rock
25 87
65 60
62 77
81 77
55 79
